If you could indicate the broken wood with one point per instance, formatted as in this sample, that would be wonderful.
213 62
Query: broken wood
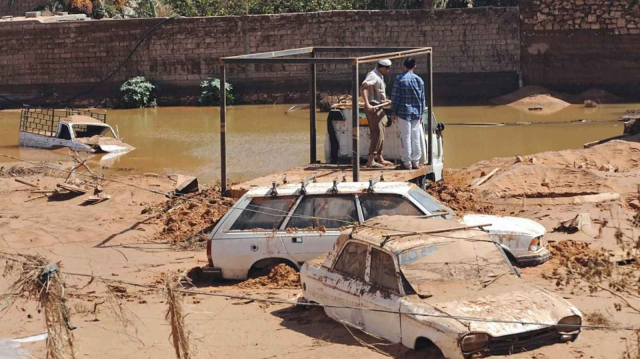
479 181
97 199
26 183
599 142
186 184
34 198
72 188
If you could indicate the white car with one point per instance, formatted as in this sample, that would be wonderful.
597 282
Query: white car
294 223
431 283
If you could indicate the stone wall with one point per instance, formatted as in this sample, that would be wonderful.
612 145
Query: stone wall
46 59
574 45
18 8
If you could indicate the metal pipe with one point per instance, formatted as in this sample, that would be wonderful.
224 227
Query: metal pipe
430 110
288 60
312 111
264 55
355 126
223 129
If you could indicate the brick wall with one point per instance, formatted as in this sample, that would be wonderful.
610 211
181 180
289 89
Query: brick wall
64 57
19 7
574 45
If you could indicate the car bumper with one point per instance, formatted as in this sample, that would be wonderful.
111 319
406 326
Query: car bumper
534 259
212 272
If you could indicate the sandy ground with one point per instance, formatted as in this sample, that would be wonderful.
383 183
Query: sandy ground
132 237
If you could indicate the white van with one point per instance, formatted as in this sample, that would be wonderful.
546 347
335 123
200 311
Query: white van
338 141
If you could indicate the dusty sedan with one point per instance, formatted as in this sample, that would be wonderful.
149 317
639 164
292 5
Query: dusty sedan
438 285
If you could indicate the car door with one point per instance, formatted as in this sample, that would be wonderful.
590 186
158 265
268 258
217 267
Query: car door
344 284
251 233
382 292
315 223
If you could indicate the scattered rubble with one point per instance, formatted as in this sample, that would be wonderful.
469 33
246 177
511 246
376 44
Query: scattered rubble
188 219
281 276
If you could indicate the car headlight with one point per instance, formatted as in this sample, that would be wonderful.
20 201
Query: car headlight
474 342
533 246
569 324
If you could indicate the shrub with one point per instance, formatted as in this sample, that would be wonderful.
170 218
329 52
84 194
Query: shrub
138 92
81 7
211 92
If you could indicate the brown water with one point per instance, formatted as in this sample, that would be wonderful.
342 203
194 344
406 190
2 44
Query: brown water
263 139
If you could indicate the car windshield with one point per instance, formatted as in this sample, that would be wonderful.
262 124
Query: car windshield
476 262
429 203
81 131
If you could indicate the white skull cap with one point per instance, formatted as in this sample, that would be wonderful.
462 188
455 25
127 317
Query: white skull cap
384 62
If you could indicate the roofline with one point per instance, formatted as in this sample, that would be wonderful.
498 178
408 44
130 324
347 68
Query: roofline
282 56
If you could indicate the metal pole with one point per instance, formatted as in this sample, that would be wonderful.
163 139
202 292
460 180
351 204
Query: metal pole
223 129
312 111
355 127
430 109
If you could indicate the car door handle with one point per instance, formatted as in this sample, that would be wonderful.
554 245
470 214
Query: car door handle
296 240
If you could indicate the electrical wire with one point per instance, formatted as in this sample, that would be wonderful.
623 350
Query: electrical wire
70 100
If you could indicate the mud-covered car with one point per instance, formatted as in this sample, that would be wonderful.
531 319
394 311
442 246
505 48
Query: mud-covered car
438 285
293 223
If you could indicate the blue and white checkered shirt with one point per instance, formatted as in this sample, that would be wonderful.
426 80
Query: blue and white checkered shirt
407 97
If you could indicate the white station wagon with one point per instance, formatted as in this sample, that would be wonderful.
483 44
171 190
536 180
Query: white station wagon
433 283
294 223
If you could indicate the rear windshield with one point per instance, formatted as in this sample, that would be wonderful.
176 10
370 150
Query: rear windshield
429 203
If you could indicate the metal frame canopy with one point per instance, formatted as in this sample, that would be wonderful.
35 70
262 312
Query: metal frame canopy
312 58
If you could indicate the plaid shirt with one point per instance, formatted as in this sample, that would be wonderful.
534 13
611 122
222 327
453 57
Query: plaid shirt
407 97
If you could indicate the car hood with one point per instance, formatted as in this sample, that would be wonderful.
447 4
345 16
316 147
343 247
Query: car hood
506 225
504 308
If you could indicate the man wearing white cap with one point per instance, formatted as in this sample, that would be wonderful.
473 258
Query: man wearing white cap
373 93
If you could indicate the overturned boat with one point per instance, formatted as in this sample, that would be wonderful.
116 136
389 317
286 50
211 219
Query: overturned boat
79 130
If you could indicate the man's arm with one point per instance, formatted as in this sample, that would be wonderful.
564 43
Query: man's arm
422 97
368 82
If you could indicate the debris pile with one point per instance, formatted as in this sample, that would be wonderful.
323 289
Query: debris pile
188 219
281 276
459 197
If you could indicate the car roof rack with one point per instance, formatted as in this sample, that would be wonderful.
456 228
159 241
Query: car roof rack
303 184
374 180
274 185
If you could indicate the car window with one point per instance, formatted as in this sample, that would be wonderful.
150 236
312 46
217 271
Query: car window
429 203
383 271
264 213
334 212
353 260
374 205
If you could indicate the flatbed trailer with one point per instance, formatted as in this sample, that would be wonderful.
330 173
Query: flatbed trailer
328 173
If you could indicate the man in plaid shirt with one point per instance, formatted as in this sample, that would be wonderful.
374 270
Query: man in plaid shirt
407 104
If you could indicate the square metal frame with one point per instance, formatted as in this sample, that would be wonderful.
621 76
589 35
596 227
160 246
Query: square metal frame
312 58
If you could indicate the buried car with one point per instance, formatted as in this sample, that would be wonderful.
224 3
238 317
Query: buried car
440 285
297 222
79 130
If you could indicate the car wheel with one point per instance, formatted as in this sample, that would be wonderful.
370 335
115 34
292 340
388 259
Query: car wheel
428 349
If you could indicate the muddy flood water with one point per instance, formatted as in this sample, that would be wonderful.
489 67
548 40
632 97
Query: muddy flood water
263 139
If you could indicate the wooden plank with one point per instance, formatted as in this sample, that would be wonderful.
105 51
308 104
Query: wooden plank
484 179
26 183
327 173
